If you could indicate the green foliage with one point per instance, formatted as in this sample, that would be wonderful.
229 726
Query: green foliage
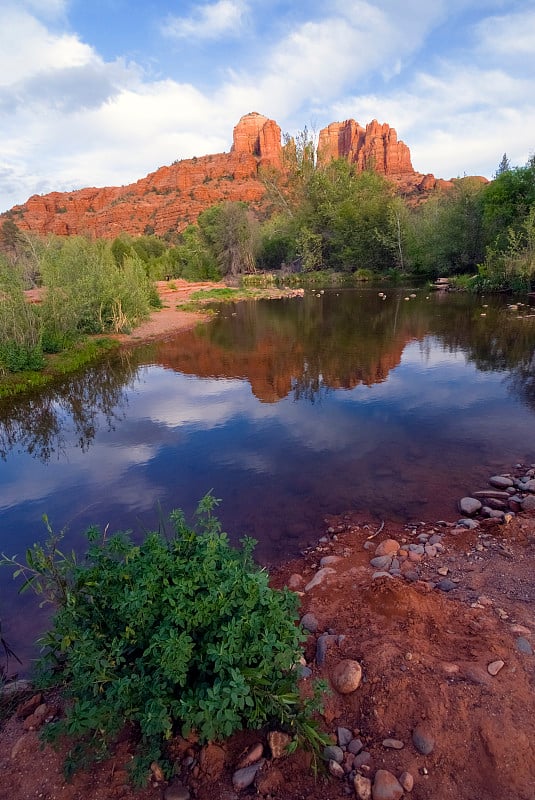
506 202
20 325
514 266
89 292
179 631
445 234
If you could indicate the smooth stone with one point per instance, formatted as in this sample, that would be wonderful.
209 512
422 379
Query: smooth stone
381 562
387 548
362 759
295 582
495 666
500 482
304 672
423 739
491 493
381 574
176 791
393 744
321 647
529 486
243 778
346 676
254 753
417 548
326 561
443 571
386 786
430 550
469 505
523 646
355 746
528 503
309 622
466 522
320 576
446 585
407 781
333 753
363 787
493 502
344 736
336 770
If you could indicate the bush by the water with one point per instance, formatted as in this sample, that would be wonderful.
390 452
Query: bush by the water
179 633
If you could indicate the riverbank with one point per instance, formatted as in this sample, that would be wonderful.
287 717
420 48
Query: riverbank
445 706
183 306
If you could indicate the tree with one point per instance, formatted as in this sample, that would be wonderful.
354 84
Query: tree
503 166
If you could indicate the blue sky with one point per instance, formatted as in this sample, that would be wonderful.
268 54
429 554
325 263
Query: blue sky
103 92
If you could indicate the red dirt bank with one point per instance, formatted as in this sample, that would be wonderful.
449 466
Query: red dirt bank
424 656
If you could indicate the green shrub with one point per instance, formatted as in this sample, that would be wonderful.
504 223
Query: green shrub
180 632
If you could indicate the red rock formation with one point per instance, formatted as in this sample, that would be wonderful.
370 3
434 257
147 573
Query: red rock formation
375 146
258 136
172 197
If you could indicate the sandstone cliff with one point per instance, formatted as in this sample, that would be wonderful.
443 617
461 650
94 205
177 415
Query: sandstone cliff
173 196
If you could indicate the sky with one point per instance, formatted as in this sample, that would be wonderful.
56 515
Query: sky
101 93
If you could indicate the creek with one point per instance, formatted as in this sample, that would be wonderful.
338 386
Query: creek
288 410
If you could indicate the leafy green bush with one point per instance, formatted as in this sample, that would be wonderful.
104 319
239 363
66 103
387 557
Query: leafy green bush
181 631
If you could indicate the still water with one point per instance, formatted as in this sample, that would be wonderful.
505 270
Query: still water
287 410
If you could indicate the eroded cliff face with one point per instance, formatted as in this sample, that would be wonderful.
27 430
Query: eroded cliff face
170 198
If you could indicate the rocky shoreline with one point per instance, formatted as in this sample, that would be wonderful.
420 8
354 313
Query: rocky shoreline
424 633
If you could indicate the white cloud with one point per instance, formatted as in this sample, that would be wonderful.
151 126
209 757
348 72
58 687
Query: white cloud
511 35
210 21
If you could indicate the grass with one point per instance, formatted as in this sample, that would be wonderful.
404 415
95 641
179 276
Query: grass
58 364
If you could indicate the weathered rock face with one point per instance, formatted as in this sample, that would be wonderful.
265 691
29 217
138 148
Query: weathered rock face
172 197
258 136
375 146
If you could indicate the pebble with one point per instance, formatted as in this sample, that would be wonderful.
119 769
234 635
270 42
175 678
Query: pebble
387 548
320 576
423 739
386 786
500 482
528 504
252 755
406 781
363 787
393 744
333 753
443 570
523 646
176 791
469 506
495 666
309 622
328 560
362 759
355 746
381 562
446 585
336 770
466 522
243 778
344 736
381 574
346 676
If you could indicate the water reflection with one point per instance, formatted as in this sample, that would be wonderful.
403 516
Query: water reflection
288 410
41 424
